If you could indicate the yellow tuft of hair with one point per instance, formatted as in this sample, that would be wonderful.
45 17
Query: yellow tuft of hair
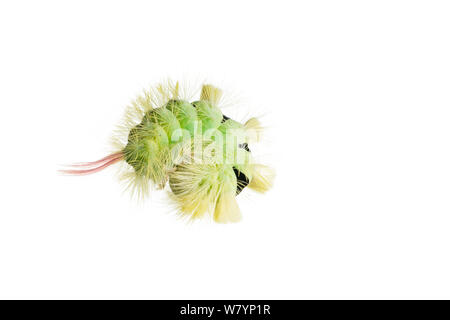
253 130
211 94
227 209
262 178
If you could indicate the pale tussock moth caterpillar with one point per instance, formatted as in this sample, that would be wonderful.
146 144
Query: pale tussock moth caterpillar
202 154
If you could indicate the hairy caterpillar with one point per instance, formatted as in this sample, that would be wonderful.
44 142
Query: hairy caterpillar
202 154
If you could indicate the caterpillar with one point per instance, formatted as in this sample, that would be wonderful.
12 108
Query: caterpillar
202 155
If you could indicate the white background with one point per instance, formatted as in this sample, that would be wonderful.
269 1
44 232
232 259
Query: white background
356 96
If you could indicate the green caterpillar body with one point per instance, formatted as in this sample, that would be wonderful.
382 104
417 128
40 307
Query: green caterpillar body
202 154
155 139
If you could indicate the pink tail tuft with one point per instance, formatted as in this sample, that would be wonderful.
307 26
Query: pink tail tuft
93 167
